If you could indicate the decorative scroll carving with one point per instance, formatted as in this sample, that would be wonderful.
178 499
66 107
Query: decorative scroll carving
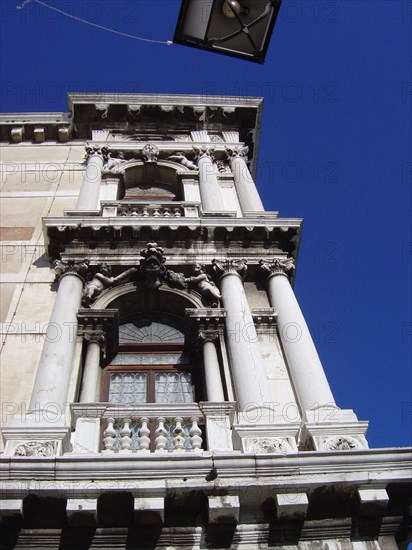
202 283
340 444
224 267
36 448
233 152
283 266
65 268
270 445
208 336
181 158
182 137
150 152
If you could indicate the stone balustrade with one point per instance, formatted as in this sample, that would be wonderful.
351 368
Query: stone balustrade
161 428
158 434
123 209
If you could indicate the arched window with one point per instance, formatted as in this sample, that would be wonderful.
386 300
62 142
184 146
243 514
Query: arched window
152 365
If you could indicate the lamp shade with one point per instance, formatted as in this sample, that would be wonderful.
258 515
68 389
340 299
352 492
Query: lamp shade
240 28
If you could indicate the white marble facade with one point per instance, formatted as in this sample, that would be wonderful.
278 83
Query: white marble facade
120 240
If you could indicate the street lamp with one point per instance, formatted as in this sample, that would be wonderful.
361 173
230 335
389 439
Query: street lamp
240 28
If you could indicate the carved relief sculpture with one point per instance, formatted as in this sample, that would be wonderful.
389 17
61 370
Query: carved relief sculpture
201 282
181 158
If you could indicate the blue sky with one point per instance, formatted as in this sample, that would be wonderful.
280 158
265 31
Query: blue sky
335 150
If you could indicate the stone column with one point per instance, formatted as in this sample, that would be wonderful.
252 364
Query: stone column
208 183
92 372
55 366
248 372
214 388
90 189
309 379
245 186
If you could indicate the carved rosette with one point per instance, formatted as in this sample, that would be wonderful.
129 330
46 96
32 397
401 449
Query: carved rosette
71 268
226 267
234 152
150 152
204 151
341 443
282 266
36 448
270 445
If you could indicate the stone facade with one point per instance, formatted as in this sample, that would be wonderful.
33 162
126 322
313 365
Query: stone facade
149 326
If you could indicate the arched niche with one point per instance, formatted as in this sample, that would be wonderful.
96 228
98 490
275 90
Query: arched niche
151 181
131 300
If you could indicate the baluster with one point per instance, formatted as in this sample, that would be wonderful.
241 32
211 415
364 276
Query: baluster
145 213
134 213
166 212
161 435
178 435
156 212
144 435
125 436
177 213
109 437
195 435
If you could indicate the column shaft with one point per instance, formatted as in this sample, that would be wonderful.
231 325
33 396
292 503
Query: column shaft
209 186
308 376
90 189
214 388
245 186
55 365
90 391
249 375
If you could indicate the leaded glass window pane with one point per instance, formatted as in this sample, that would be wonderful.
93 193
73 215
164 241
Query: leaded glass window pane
128 388
150 359
173 387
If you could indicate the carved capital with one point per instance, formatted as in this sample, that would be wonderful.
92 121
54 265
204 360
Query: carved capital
283 266
96 337
71 268
150 152
96 150
234 152
226 267
204 151
208 336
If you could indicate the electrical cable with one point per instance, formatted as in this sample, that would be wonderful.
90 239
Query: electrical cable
101 27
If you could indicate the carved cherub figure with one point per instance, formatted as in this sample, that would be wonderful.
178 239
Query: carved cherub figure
98 283
201 282
180 157
103 279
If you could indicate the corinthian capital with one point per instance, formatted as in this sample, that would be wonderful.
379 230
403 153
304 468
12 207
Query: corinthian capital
204 151
71 267
234 152
225 267
92 150
282 266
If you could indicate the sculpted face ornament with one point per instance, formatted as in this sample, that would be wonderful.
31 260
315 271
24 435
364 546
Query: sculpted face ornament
152 266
